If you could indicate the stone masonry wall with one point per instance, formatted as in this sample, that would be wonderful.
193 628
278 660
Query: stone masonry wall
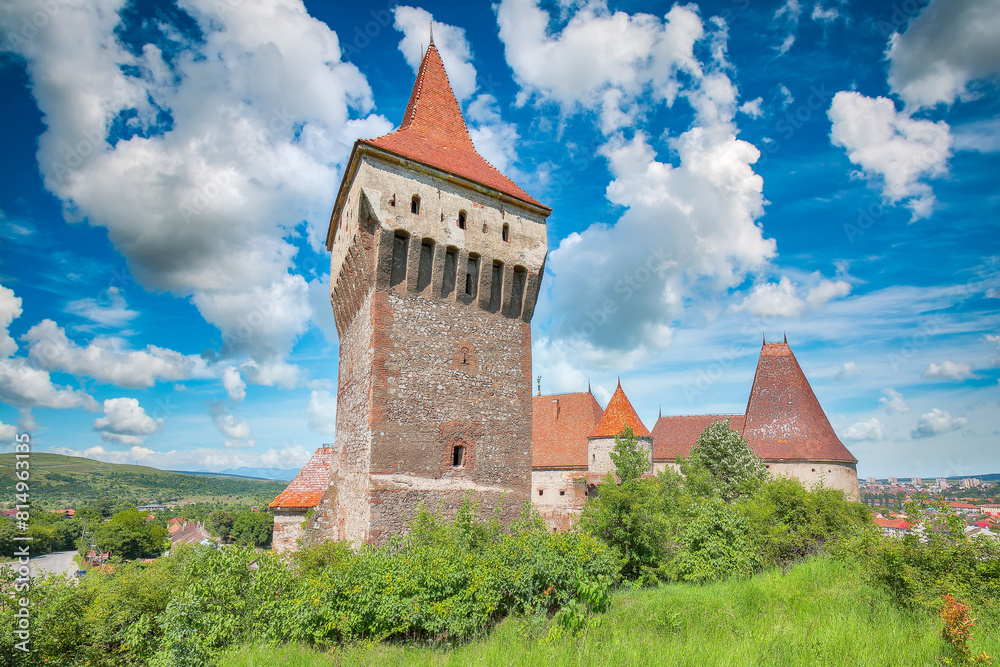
559 496
599 453
843 476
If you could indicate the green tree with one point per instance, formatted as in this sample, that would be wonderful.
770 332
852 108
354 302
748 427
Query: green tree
253 528
723 463
630 459
220 523
129 536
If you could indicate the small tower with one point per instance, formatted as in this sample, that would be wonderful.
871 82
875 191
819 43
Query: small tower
436 263
601 441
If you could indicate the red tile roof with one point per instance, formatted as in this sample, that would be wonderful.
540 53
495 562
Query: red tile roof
784 420
559 429
617 416
675 436
309 485
433 132
899 524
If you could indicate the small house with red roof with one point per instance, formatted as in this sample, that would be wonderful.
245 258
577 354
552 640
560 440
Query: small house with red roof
305 492
892 527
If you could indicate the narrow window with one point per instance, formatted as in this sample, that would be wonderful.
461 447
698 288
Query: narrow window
426 264
415 205
450 269
562 493
392 202
496 285
539 492
506 233
472 276
458 456
517 291
400 247
461 219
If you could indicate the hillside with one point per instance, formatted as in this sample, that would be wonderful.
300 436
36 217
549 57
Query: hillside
58 480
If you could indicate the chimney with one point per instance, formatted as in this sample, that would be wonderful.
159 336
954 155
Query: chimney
555 408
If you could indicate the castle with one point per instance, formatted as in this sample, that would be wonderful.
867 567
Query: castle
436 264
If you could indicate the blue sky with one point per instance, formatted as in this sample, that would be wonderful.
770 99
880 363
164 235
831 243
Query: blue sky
719 172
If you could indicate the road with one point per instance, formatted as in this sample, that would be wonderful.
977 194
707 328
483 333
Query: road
59 562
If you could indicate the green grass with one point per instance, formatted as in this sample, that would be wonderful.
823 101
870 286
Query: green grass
61 481
818 613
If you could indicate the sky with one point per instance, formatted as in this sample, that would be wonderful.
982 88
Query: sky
720 173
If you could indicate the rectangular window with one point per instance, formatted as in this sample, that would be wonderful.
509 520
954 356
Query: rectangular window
400 248
472 276
426 264
517 291
496 286
450 269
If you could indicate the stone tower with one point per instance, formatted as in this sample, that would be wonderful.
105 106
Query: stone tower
436 263
601 441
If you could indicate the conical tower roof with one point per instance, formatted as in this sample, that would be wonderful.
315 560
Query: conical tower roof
617 416
434 133
784 420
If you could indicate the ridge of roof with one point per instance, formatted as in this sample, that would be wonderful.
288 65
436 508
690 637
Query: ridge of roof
617 416
784 419
309 485
434 132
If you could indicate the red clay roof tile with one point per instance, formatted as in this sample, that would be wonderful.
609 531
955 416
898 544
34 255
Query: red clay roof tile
434 133
560 426
309 485
784 420
675 436
617 416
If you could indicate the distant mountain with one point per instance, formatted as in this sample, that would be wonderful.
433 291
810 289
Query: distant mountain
279 474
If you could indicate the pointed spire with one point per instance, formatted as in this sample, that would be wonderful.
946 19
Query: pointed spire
431 26
660 416
763 341
617 416
786 337
588 386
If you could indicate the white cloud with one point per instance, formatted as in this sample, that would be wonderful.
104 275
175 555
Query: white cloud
125 421
893 402
752 108
321 412
134 454
787 16
781 299
110 310
848 370
233 428
494 139
235 387
289 456
27 387
786 96
322 312
949 45
995 340
7 433
871 429
892 147
937 421
824 14
599 60
10 310
948 370
108 360
450 42
263 115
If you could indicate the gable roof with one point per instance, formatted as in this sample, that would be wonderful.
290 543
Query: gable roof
309 485
560 425
784 421
434 133
675 436
617 416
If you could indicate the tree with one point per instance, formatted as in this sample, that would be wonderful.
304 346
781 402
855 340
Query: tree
253 528
630 459
220 523
129 536
723 459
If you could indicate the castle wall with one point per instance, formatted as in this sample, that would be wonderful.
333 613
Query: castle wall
563 495
287 529
843 476
599 453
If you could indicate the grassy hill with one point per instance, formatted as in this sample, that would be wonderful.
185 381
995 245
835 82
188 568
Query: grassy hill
58 480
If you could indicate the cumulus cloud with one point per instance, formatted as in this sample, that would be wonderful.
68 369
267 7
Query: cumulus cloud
949 45
893 402
236 431
235 387
450 41
125 422
891 147
948 370
134 454
752 108
289 456
24 386
937 421
321 412
107 359
7 433
110 310
848 370
871 429
599 60
10 310
202 161
782 298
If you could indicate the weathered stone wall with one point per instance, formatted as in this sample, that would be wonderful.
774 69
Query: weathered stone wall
599 453
559 496
843 476
287 529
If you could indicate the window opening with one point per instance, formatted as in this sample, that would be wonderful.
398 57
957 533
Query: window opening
426 264
415 205
458 456
400 247
506 233
471 276
461 219
450 269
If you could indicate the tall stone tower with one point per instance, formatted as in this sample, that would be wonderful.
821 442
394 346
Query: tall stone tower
436 263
